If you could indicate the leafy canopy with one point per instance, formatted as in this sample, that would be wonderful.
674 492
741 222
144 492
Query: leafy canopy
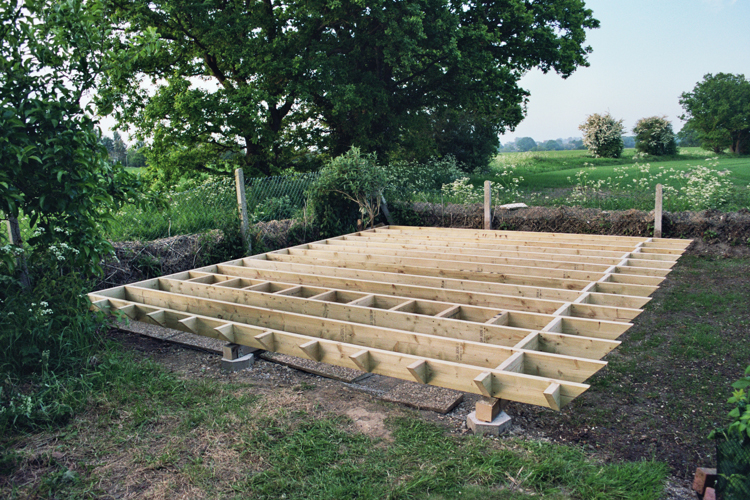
53 166
261 84
718 109
654 136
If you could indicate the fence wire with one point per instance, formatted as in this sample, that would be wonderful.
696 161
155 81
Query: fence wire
209 206
278 198
733 467
212 206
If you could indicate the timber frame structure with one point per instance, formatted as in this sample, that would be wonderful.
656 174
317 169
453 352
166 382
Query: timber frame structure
521 316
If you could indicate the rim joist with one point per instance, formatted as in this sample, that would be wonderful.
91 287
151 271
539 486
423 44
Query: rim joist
520 316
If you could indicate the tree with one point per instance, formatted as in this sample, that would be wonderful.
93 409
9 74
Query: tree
135 156
687 137
602 135
289 78
53 169
718 109
654 136
525 144
552 145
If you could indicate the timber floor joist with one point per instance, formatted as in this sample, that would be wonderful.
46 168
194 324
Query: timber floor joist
520 316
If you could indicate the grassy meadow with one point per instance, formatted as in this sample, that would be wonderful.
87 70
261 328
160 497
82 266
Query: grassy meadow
549 178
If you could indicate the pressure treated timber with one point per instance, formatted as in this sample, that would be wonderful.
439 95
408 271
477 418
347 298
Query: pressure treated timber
520 316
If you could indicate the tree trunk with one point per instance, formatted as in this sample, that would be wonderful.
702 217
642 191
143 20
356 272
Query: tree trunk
14 234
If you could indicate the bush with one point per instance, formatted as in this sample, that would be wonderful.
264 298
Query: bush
602 135
654 136
350 186
405 178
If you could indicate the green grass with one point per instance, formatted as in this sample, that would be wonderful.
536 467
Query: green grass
670 379
549 176
149 430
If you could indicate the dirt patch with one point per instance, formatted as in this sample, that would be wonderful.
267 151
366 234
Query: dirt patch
371 423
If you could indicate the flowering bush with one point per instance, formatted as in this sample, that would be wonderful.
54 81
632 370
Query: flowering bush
602 135
702 187
505 188
654 136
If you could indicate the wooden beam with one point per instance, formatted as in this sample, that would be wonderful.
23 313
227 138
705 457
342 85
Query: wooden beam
362 360
423 345
484 383
420 370
266 339
512 386
552 393
312 350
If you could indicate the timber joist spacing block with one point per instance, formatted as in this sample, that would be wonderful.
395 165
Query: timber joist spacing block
519 316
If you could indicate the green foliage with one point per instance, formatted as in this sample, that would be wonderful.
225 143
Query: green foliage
47 327
602 135
54 169
718 109
322 76
739 427
654 136
349 187
273 209
405 179
687 137
525 144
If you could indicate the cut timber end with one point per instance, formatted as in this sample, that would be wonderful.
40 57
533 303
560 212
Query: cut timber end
190 324
420 370
312 350
552 394
101 305
267 340
128 311
157 317
484 382
362 360
226 331
441 306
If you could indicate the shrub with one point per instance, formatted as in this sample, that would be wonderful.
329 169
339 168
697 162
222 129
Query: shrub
654 136
349 186
602 135
405 178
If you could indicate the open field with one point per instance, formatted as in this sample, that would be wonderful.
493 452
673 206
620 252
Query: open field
167 423
549 176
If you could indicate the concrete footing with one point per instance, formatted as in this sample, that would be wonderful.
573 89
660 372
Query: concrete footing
499 424
235 365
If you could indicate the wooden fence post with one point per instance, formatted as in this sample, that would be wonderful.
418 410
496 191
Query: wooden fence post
487 205
239 180
657 212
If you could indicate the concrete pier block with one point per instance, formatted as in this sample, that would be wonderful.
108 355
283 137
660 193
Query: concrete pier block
235 365
499 424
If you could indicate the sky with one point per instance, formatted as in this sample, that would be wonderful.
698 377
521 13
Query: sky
645 54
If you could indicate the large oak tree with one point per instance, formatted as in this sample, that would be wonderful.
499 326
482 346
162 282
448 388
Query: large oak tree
718 109
285 77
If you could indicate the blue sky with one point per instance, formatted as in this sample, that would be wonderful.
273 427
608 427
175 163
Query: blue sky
646 53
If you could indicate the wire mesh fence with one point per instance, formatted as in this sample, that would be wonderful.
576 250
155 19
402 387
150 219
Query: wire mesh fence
213 205
733 459
279 197
204 208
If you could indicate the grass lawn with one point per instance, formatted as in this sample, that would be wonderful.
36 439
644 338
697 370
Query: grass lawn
548 176
166 423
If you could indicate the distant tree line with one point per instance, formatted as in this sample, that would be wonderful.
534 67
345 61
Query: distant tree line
119 152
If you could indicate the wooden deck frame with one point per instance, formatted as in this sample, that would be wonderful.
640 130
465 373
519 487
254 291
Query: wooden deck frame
520 316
